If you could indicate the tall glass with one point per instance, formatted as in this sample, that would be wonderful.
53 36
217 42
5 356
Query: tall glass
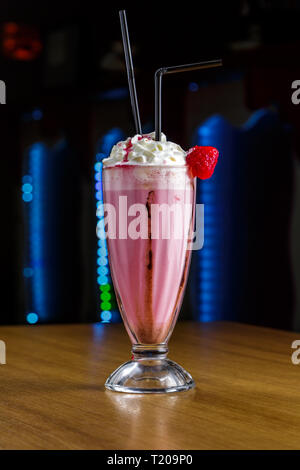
149 217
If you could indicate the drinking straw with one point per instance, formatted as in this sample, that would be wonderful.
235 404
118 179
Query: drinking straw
130 72
175 69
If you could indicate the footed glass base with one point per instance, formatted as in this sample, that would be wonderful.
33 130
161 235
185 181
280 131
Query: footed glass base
149 372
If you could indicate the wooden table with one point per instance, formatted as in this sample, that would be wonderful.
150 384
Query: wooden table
52 394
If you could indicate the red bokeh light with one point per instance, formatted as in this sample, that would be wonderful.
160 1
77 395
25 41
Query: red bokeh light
20 42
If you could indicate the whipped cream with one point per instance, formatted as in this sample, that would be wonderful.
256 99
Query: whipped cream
145 150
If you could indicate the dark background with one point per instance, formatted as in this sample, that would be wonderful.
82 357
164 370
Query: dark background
66 87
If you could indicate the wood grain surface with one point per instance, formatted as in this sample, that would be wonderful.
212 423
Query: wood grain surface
52 394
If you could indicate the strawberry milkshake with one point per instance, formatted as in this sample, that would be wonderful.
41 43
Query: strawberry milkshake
150 271
149 191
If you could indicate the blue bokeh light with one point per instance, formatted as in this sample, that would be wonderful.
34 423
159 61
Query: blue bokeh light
37 156
32 318
114 94
102 261
27 197
27 179
101 280
193 86
27 188
98 166
102 270
103 149
208 259
102 251
106 315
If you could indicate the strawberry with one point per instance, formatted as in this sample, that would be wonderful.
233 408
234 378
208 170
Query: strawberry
202 161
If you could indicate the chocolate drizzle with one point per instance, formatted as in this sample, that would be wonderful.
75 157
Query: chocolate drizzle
150 199
148 207
149 265
146 333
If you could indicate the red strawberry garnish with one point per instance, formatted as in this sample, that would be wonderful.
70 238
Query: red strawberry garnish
202 161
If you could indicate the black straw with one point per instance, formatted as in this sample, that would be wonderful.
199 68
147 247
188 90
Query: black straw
175 69
130 72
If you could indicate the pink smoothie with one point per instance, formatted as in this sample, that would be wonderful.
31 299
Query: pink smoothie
149 273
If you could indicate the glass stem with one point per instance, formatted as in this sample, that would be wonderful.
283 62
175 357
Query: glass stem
145 352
